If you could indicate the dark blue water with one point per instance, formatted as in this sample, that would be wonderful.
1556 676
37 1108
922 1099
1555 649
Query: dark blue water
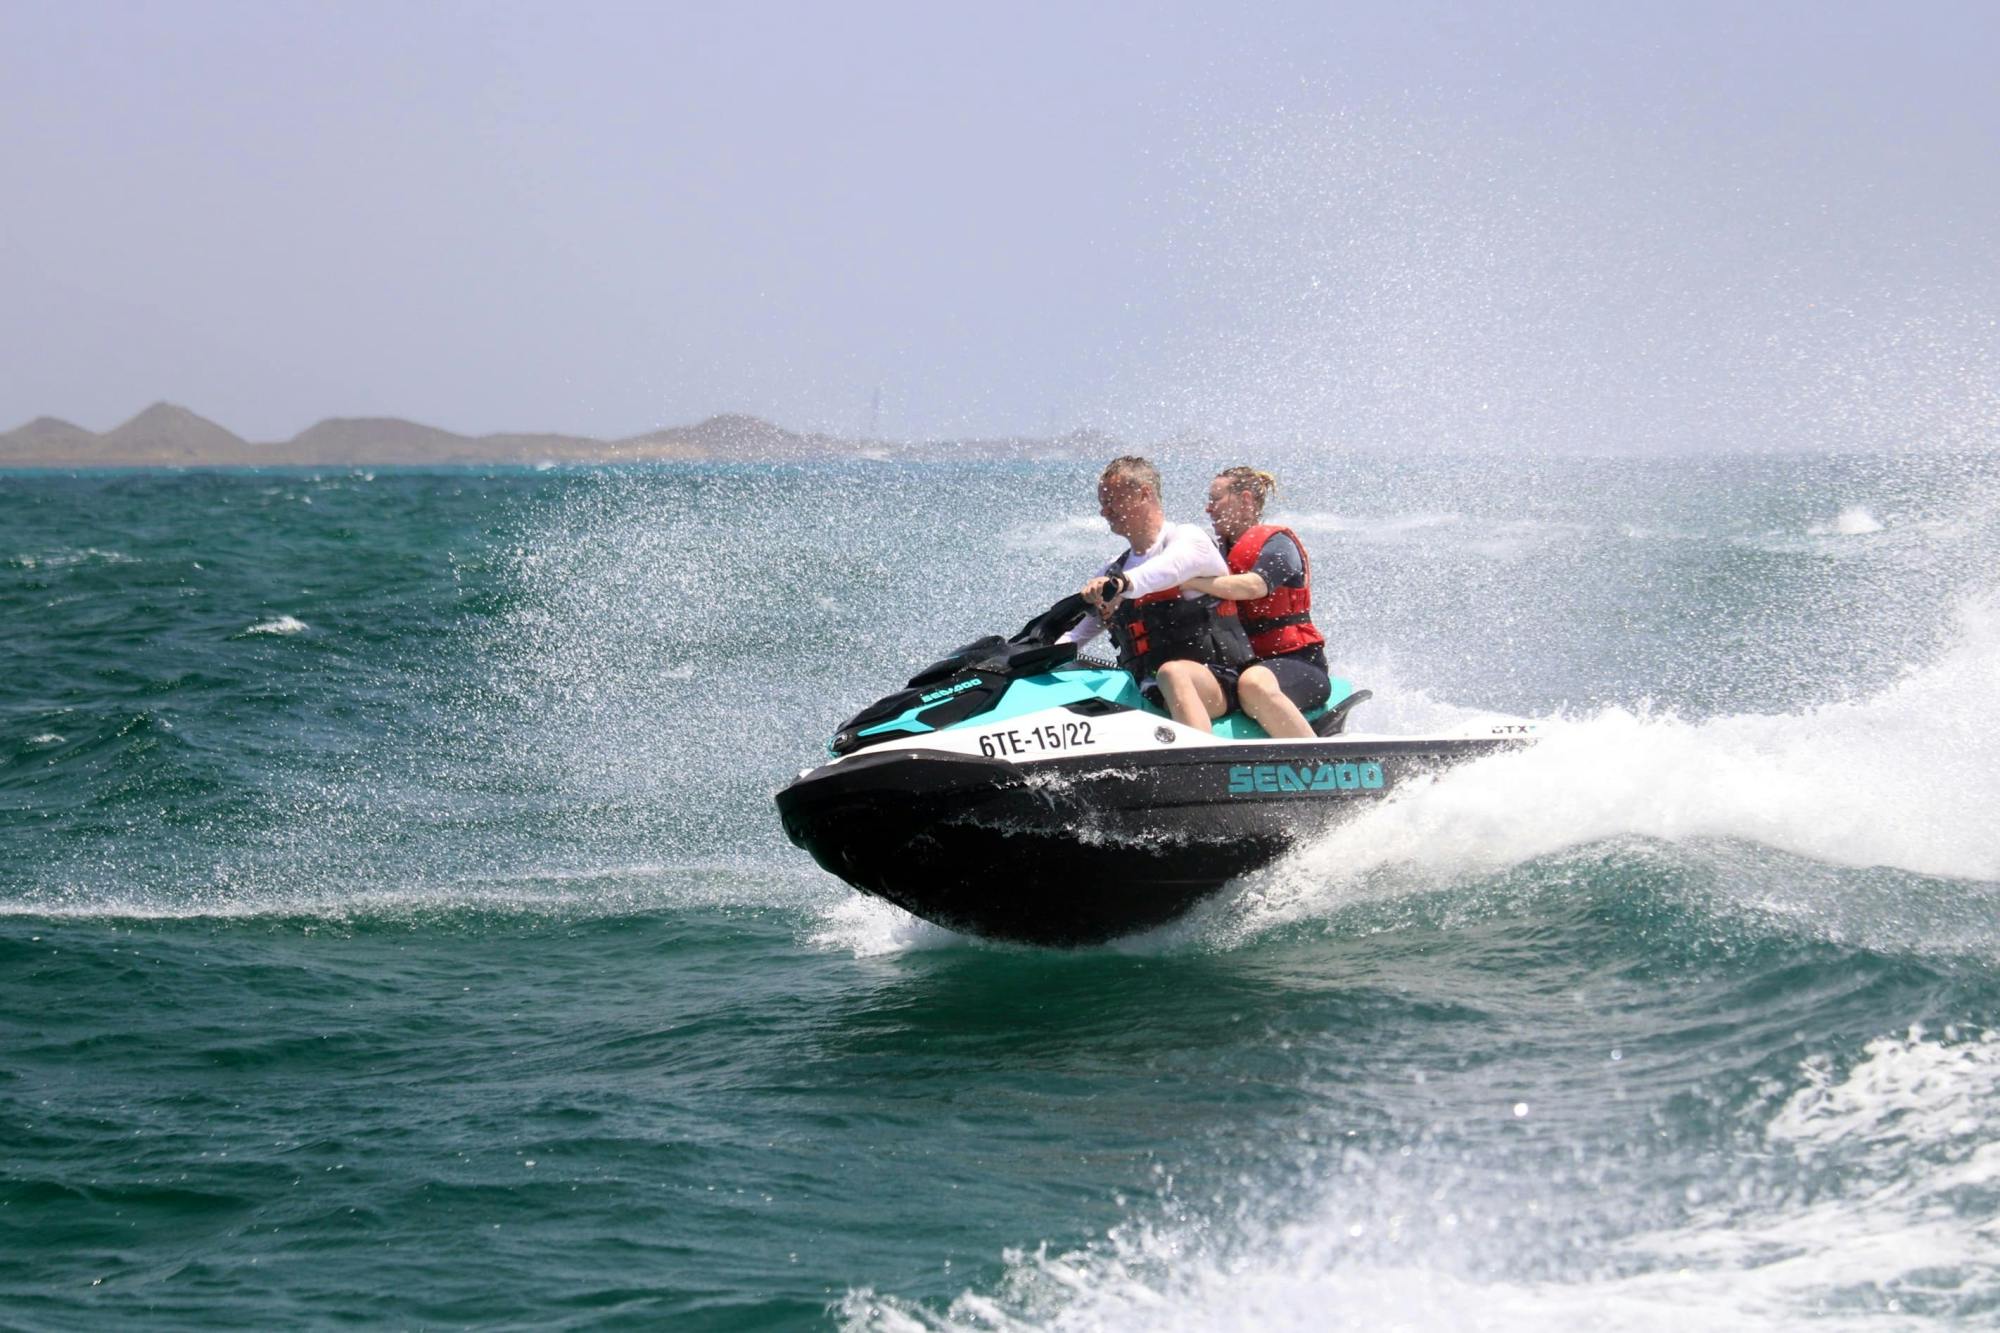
394 926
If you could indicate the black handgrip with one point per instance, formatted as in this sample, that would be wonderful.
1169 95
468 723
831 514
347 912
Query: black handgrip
1053 623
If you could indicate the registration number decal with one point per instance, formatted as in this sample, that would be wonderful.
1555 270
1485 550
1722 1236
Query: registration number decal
1045 739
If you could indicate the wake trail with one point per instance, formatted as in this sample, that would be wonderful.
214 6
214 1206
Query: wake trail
1904 779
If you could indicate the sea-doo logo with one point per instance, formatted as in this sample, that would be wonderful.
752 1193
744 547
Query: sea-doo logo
959 688
1247 778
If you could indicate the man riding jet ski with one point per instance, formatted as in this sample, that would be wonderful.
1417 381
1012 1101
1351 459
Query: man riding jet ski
1184 647
1014 792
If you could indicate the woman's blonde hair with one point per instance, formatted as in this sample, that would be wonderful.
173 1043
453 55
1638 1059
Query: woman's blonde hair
1251 481
1132 468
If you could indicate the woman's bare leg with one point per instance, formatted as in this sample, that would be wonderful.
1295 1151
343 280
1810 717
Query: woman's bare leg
1258 693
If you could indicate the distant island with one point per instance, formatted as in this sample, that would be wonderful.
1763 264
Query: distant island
165 435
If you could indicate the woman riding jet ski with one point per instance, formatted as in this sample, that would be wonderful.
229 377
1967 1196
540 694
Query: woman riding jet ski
1013 792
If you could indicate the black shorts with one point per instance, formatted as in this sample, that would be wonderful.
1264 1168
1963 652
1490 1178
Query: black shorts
1302 676
1225 676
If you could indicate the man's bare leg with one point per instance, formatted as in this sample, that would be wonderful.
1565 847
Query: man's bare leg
1192 693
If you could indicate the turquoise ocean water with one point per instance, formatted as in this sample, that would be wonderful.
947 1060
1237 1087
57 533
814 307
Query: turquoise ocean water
395 928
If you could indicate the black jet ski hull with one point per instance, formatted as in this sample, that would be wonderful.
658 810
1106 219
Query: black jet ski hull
1079 850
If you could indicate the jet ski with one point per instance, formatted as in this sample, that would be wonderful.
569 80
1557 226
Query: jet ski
1013 791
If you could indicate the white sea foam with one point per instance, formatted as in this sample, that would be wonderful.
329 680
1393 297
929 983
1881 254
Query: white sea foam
1830 536
65 559
1637 533
1318 1276
1905 1129
1912 1091
1315 1288
1905 779
566 892
868 927
45 738
1397 1241
282 625
1853 521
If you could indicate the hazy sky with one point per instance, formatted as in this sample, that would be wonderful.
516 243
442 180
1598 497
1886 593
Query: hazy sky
1408 225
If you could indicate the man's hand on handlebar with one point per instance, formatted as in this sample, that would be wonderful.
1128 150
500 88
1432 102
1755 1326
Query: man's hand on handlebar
1104 591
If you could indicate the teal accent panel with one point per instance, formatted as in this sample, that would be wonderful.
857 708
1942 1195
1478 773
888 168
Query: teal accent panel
1031 694
1238 727
907 722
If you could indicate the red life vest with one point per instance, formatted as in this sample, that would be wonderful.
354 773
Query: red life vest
1280 621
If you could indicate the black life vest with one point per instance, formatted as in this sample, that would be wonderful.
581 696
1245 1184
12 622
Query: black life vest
1280 621
1165 626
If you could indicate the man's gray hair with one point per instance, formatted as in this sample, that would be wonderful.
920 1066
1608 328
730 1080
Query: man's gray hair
1133 468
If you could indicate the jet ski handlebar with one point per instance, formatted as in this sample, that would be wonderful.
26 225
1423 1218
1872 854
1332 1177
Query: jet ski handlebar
1053 623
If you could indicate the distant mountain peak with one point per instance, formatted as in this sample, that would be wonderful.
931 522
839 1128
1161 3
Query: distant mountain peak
46 437
171 432
172 416
166 411
49 426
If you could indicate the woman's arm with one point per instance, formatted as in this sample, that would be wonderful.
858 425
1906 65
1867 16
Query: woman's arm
1231 587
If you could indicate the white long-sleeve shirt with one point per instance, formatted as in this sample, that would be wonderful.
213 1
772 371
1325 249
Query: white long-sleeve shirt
1181 552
